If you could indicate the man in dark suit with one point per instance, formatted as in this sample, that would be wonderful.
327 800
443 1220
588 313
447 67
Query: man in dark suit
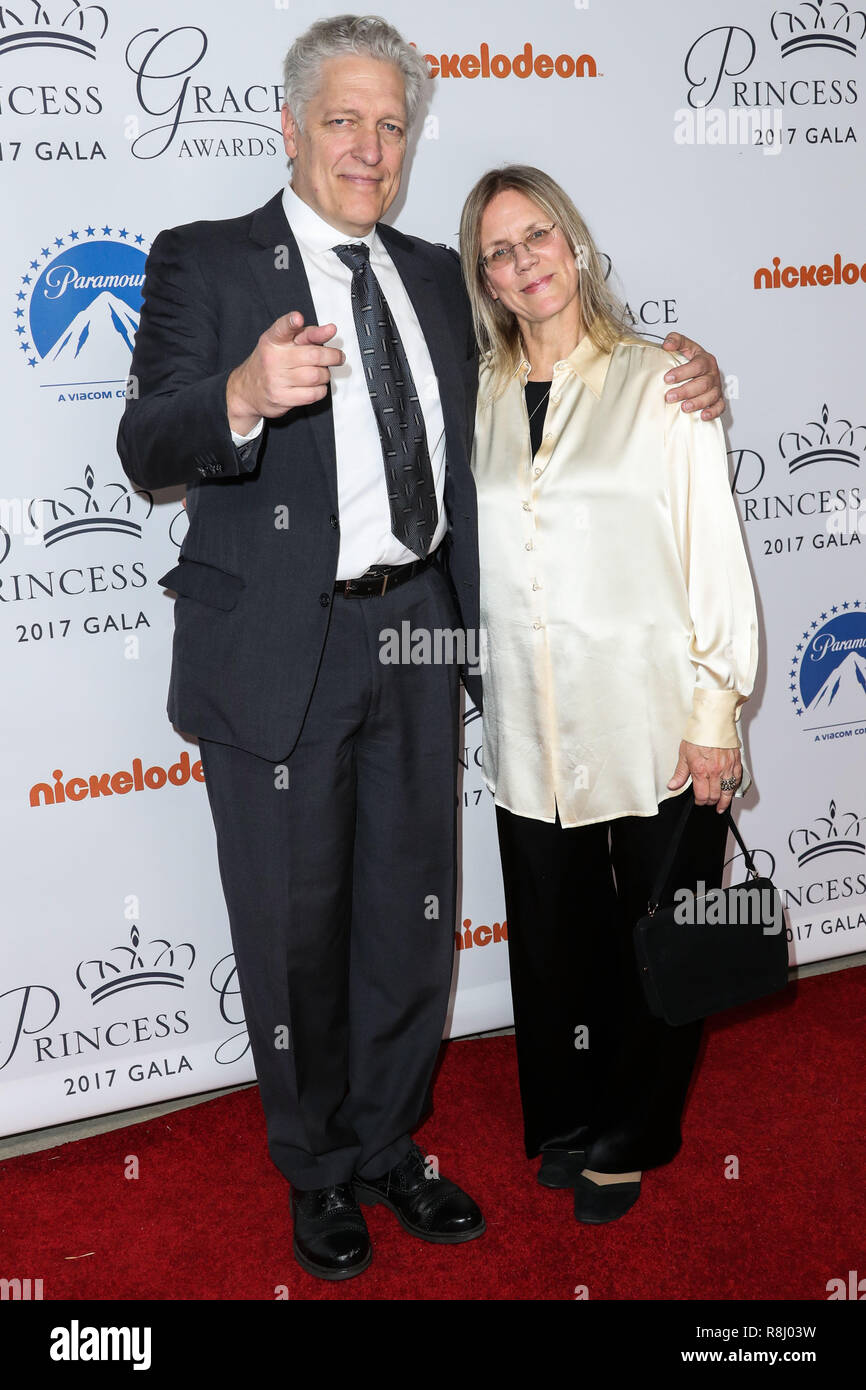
322 515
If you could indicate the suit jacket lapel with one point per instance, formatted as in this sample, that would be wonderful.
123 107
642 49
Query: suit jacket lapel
427 302
282 282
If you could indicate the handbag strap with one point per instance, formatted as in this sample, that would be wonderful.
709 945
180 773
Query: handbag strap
668 861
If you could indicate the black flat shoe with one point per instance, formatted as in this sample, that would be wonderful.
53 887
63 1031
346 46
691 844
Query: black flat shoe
331 1236
560 1167
594 1203
435 1209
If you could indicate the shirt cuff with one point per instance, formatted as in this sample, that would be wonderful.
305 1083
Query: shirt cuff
245 438
712 722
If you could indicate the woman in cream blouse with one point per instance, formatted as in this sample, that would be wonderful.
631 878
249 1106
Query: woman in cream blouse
621 642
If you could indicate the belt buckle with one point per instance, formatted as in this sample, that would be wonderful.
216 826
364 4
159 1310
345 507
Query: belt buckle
385 578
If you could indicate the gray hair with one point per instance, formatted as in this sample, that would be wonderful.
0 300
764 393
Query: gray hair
339 37
496 328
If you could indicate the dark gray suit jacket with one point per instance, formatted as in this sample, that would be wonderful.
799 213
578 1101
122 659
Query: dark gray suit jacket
253 597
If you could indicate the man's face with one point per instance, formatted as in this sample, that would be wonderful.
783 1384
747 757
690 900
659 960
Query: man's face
346 162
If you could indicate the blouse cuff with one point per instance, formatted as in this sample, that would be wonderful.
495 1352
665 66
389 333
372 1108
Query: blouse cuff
712 722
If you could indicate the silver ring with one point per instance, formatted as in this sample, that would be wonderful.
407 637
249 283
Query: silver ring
729 784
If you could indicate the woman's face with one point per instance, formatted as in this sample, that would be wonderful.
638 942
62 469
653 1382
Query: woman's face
538 284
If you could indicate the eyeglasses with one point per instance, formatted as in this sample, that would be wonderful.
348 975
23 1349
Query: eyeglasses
536 241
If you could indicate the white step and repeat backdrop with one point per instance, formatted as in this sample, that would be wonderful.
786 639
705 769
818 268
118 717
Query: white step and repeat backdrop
716 150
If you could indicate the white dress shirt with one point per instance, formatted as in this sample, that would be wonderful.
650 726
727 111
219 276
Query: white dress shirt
365 515
615 589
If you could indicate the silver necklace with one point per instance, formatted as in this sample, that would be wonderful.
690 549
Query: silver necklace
542 401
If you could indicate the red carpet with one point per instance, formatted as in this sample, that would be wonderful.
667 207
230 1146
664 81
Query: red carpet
780 1087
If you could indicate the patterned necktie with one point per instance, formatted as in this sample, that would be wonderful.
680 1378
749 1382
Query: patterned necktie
408 472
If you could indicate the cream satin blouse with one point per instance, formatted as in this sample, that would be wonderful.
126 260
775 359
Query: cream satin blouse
615 592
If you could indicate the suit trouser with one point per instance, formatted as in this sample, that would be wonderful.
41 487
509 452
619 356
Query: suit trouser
572 898
338 868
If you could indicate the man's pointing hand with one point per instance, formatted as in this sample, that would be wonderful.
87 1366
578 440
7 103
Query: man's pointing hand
289 366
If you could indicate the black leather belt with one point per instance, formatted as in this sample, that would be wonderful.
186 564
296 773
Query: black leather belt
380 578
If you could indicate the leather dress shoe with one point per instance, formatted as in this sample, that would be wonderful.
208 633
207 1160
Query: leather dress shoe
331 1237
560 1167
595 1203
435 1209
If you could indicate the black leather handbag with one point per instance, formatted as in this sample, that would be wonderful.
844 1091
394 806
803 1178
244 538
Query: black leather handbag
710 952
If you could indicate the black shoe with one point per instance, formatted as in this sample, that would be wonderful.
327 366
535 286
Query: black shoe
560 1167
331 1236
435 1209
595 1203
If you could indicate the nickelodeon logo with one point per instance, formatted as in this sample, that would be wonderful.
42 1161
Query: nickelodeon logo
482 935
115 783
791 277
524 64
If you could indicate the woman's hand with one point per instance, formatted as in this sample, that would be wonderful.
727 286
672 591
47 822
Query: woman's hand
707 767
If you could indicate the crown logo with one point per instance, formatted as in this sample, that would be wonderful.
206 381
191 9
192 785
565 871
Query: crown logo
830 834
814 26
29 25
139 967
823 441
110 513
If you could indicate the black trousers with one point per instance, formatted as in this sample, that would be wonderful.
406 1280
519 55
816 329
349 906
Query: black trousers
338 870
596 1069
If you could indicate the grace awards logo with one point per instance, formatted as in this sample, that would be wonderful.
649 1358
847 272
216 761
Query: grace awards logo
77 308
827 674
789 83
64 24
196 117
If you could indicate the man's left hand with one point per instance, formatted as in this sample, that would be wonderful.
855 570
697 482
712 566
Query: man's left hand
702 382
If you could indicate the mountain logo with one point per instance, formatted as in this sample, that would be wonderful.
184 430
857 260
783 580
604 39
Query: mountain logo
827 675
77 308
